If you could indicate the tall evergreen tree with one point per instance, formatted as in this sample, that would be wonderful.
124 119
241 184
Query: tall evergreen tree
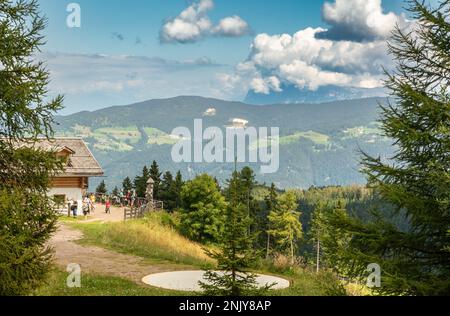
177 187
155 174
285 226
140 182
328 241
248 184
115 191
27 218
236 254
202 217
101 188
318 229
271 201
127 185
167 191
414 261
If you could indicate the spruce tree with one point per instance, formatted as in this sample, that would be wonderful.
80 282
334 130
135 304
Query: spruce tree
236 254
140 182
413 260
177 187
127 185
155 174
101 188
115 191
27 217
167 193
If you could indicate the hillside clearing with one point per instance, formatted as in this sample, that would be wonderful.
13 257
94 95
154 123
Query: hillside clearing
146 238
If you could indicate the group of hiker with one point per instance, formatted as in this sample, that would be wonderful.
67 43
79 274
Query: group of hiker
87 207
88 202
126 198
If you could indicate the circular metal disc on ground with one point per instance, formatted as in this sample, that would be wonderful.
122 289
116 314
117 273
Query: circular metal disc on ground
188 280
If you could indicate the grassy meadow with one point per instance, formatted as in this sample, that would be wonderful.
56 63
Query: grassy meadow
157 240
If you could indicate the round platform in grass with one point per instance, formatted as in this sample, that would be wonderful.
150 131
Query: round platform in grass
188 280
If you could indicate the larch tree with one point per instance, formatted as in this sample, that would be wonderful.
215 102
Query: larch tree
271 201
285 226
27 217
413 260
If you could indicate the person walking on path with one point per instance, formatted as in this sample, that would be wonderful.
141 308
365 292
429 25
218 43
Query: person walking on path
74 208
92 204
108 206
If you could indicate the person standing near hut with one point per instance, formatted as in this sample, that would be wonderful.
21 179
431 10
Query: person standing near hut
92 204
74 208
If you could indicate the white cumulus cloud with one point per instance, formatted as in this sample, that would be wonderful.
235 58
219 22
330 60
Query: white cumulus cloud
312 58
359 20
232 26
193 24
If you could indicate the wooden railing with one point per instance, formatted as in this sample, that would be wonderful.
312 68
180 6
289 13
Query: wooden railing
136 212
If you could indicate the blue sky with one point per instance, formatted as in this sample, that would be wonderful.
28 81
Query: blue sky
118 55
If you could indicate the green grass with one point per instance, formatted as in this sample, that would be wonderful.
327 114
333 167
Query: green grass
315 137
131 133
70 220
96 285
361 131
157 241
146 238
307 283
158 137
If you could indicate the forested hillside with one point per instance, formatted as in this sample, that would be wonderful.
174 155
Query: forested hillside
319 142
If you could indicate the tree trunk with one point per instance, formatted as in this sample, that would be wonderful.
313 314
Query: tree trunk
318 256
268 246
292 252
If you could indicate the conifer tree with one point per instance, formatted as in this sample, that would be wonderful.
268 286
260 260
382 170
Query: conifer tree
248 184
140 182
271 201
413 261
167 191
329 240
127 185
101 188
318 229
236 254
177 187
202 215
285 226
155 174
27 217
115 191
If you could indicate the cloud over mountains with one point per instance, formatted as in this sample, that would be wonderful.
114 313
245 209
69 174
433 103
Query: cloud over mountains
348 54
193 24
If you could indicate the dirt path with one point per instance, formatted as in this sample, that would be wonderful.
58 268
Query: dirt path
100 215
98 260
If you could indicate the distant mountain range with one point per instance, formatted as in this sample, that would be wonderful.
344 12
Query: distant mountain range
320 143
290 94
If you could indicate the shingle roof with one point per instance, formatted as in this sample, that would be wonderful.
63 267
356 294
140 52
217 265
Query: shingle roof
82 161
